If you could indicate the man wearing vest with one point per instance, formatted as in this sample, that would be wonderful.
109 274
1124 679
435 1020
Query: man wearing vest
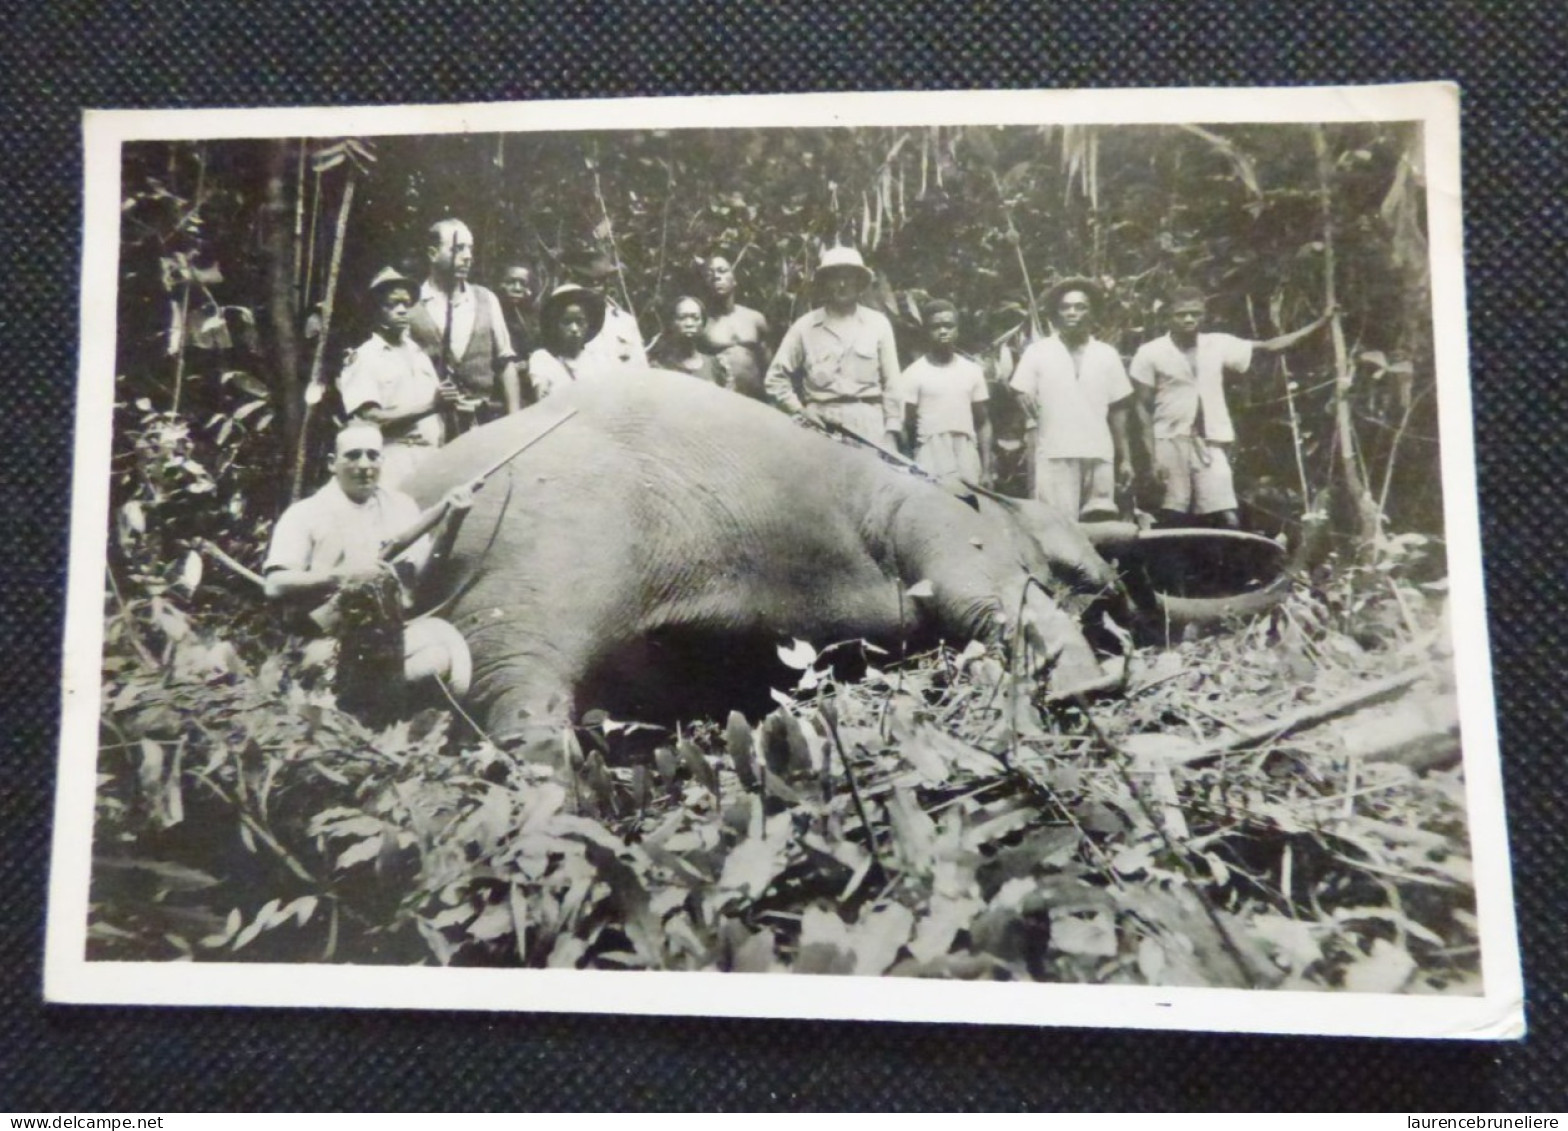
478 358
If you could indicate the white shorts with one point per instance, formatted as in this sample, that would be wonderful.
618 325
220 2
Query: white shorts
950 457
1195 475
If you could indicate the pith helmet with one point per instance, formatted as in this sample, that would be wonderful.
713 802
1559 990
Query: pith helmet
844 259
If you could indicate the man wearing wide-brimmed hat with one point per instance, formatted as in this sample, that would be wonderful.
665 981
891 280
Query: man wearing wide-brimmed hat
839 363
618 344
1075 390
392 383
569 319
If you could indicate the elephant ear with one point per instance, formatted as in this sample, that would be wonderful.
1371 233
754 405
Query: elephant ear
1046 537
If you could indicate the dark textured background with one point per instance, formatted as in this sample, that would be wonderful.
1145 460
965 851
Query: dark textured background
58 58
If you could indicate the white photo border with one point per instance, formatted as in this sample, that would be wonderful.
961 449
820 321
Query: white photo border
70 977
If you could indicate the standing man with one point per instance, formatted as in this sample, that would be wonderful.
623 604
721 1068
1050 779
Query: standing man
517 306
619 343
839 363
1182 411
735 335
390 382
1075 392
462 327
944 396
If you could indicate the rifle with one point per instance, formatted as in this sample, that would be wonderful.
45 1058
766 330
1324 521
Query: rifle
323 614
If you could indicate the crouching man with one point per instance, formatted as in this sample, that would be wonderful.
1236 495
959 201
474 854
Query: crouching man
348 556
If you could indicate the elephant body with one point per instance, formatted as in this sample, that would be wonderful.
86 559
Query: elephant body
649 554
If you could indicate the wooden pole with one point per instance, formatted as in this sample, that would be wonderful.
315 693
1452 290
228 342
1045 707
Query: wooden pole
1368 521
318 362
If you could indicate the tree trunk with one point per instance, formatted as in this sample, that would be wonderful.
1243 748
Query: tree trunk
1368 521
278 224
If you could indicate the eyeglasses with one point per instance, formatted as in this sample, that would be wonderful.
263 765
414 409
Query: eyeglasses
371 454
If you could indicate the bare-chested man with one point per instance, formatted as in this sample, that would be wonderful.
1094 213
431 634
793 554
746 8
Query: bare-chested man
735 335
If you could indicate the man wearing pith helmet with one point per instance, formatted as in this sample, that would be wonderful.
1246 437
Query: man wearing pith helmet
839 363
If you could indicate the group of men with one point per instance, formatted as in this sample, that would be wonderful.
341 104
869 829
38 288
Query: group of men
446 353
838 365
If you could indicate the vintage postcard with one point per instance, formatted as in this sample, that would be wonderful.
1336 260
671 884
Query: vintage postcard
989 557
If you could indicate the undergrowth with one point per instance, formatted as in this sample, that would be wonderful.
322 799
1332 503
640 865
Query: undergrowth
931 821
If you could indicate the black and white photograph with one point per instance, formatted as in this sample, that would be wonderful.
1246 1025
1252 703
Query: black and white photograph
981 557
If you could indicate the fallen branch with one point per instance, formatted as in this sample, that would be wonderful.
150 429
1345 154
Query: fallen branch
234 567
1436 750
1313 715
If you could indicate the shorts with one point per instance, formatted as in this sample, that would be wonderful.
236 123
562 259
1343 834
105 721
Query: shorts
1194 475
1079 488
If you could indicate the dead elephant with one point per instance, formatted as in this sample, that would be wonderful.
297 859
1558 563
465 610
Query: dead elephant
650 553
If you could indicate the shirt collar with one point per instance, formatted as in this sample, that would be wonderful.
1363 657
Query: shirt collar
429 292
333 487
819 316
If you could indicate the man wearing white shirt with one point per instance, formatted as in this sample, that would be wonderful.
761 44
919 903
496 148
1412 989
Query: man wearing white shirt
341 535
1075 391
392 383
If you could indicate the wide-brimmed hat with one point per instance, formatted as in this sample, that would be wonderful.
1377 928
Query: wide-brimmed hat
391 276
571 295
844 259
1096 293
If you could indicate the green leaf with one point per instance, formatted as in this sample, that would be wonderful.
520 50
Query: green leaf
825 946
752 865
359 853
738 740
247 384
914 834
799 655
701 771
260 923
1386 970
494 922
171 877
878 937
